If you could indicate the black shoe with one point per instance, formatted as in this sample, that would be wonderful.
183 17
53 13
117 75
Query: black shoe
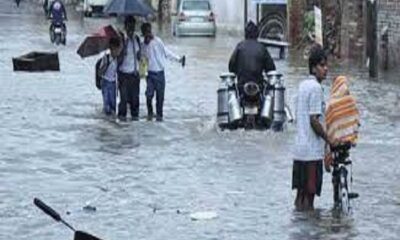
150 117
122 118
159 119
353 195
135 118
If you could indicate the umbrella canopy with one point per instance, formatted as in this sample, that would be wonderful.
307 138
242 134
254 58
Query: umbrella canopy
129 7
98 42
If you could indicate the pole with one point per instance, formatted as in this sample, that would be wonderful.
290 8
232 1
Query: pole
258 13
385 48
116 100
373 38
160 10
245 13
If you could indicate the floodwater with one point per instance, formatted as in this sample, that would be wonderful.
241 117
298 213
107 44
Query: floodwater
146 178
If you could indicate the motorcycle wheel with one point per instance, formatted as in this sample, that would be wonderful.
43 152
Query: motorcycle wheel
52 34
64 39
57 39
343 194
250 122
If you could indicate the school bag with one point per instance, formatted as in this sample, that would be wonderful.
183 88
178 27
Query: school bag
100 71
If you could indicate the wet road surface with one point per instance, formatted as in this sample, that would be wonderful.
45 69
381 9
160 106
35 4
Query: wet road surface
145 179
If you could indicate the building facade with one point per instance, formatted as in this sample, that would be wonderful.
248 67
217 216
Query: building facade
230 14
389 17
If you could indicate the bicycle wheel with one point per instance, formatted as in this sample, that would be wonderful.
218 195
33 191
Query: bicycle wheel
343 192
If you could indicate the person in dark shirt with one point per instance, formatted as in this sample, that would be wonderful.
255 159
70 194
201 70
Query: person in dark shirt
250 58
57 12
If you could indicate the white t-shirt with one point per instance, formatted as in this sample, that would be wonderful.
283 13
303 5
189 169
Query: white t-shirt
111 71
310 101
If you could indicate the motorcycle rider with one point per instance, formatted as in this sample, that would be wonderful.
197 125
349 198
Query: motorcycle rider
250 58
57 14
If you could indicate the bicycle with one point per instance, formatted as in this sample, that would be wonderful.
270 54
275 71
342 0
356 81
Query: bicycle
341 193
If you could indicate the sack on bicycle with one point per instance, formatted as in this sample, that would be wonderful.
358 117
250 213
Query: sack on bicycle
342 117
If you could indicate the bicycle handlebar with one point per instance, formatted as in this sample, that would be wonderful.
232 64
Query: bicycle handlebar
345 146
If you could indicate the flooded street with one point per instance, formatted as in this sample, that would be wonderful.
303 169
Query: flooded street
146 178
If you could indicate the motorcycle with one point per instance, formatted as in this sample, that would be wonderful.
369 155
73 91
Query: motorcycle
58 32
253 105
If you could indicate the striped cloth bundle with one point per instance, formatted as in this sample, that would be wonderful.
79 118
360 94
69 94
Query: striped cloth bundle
342 115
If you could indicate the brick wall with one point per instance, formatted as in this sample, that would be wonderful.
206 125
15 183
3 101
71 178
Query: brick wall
389 15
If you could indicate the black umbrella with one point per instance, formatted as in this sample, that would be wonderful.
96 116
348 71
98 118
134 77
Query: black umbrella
140 8
97 42
79 235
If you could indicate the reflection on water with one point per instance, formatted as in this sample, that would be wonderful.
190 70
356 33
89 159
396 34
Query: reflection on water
145 178
322 224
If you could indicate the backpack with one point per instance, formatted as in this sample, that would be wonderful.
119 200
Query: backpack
100 71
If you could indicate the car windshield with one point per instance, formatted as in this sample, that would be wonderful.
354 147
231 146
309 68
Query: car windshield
196 5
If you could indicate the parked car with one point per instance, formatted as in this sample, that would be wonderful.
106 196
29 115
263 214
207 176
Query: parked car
194 18
93 6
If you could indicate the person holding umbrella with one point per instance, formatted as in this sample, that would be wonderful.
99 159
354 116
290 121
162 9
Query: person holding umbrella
128 71
156 53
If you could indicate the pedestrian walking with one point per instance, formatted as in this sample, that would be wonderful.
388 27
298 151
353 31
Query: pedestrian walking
309 148
108 71
128 71
156 54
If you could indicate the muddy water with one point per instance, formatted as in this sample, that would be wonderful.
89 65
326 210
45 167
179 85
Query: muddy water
145 179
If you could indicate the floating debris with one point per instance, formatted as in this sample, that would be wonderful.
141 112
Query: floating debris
203 215
89 208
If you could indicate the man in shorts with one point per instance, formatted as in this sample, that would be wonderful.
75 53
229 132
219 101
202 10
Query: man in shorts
309 150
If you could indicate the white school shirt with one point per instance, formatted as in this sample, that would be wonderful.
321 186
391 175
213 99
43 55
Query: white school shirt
130 63
111 72
310 101
157 54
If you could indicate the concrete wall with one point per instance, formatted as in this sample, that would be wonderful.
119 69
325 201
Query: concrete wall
353 30
230 15
389 15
